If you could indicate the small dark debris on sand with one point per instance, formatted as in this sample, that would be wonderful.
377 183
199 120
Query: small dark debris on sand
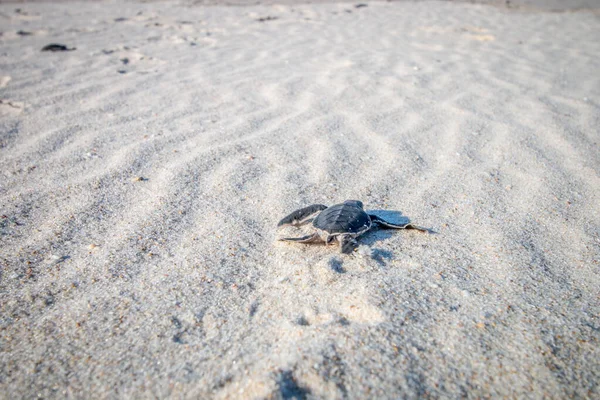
57 47
120 19
269 18
122 71
361 5
12 104
24 33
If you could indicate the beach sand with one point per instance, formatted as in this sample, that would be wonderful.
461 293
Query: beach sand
142 176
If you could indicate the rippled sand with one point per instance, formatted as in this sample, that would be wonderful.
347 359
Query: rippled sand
142 176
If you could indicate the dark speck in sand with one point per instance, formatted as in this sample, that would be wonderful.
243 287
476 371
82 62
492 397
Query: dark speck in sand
24 33
253 308
55 260
57 47
125 60
122 71
178 338
361 5
269 18
121 19
176 323
49 300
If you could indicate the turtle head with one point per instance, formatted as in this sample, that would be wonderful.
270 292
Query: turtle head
354 203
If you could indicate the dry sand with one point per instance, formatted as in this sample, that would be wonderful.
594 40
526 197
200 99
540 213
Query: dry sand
142 176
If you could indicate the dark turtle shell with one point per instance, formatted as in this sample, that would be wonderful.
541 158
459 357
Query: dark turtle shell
348 217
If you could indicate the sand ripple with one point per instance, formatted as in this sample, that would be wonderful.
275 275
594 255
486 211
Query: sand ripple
142 176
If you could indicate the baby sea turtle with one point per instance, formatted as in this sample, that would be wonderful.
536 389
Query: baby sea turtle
341 223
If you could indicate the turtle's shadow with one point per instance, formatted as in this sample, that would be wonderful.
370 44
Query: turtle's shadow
380 256
337 265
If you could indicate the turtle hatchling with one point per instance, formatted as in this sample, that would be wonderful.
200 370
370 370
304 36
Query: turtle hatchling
341 223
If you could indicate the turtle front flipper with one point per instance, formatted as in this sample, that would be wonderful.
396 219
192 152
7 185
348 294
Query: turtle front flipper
386 224
347 244
302 216
314 238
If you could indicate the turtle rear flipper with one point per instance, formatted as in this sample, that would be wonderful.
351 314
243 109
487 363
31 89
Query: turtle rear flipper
314 238
302 216
386 224
348 244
